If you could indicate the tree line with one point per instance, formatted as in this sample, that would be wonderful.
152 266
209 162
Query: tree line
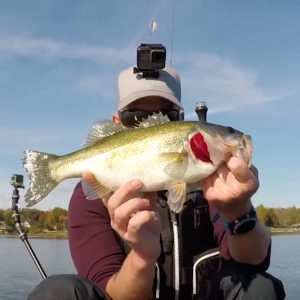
37 221
57 218
278 217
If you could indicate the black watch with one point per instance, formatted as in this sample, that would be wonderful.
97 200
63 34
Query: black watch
241 225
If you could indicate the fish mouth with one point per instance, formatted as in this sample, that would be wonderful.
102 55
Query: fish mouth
240 146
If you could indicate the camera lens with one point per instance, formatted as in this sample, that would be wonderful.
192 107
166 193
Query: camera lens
158 56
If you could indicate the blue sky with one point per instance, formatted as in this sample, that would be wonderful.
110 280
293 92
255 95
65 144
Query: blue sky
59 62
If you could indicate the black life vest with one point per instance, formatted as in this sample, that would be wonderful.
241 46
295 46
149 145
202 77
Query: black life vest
189 255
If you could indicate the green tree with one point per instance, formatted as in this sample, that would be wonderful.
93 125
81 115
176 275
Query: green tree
41 223
34 229
262 214
58 217
2 212
8 220
272 220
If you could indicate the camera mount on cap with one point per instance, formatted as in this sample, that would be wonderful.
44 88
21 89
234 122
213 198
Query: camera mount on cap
150 59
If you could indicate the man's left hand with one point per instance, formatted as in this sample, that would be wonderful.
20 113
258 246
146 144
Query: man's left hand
231 187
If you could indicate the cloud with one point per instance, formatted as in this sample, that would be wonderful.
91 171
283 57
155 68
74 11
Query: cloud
101 85
223 84
13 141
27 46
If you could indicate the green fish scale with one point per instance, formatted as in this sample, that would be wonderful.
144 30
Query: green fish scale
138 138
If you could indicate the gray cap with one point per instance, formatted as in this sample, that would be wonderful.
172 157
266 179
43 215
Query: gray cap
132 87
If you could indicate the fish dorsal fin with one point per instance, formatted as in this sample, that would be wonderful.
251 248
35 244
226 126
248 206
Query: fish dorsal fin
101 130
155 119
106 128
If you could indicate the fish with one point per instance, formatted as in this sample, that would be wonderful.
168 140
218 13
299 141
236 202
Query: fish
171 156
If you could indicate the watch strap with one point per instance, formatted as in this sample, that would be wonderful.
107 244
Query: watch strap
239 226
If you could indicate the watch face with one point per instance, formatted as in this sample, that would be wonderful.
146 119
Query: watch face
245 227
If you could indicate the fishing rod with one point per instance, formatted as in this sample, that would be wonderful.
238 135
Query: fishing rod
17 182
201 111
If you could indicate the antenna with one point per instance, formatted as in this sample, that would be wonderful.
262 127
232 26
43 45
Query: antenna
172 30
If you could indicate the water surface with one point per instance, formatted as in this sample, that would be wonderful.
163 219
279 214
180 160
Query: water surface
18 275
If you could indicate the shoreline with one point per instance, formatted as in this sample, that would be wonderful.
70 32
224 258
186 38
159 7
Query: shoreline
284 232
64 236
54 236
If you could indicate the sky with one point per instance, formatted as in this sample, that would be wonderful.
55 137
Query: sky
59 63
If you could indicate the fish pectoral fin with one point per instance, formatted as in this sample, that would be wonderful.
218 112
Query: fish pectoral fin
101 130
95 190
177 163
176 196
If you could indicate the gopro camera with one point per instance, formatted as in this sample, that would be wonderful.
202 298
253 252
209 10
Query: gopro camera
151 57
17 181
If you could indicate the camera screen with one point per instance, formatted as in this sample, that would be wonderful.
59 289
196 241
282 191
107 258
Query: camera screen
158 56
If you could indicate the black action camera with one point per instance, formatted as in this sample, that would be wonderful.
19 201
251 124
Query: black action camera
17 181
150 58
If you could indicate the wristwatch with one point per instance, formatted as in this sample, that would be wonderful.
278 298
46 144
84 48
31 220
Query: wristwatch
241 225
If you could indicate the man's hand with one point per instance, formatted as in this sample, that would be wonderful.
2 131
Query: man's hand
231 187
230 190
134 219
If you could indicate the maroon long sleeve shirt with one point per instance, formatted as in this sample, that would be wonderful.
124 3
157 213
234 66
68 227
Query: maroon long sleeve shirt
94 247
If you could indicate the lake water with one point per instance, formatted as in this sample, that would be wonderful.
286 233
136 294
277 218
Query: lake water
18 274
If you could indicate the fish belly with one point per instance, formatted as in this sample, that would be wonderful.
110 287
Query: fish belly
144 167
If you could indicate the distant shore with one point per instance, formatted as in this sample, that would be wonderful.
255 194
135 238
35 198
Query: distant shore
284 231
64 235
54 235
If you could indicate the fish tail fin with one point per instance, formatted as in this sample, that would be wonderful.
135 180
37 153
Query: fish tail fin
42 182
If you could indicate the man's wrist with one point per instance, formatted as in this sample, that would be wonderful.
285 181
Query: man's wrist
142 261
239 211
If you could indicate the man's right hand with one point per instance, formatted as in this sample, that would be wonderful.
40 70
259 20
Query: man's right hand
134 219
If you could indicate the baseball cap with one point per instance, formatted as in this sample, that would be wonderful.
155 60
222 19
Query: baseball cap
132 87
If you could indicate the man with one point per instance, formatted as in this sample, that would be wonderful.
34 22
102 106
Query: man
135 249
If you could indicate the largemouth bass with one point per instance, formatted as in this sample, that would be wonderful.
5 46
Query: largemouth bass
164 155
